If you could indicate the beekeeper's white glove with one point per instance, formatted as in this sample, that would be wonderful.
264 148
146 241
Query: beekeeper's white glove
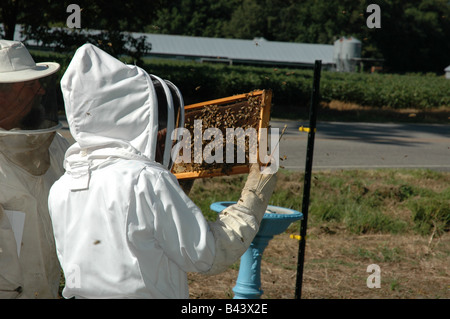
257 191
238 224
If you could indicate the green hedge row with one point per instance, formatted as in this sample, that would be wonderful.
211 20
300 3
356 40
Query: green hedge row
387 90
292 87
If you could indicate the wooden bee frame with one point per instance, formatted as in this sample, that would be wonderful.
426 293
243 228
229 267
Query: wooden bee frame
244 110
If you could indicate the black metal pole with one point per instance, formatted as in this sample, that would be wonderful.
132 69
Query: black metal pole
307 180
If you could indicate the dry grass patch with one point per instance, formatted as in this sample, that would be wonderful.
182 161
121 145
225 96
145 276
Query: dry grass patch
336 267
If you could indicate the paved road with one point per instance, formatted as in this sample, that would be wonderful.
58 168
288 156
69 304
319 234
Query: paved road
362 145
367 145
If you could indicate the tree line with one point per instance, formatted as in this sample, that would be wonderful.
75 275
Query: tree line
413 37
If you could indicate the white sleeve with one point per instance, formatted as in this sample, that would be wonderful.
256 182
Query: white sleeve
193 243
179 225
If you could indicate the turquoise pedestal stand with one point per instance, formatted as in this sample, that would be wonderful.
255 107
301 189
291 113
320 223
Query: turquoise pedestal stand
275 221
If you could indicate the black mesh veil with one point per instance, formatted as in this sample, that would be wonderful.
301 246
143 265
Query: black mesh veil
29 105
170 117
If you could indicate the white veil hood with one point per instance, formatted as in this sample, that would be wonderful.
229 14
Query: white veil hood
111 107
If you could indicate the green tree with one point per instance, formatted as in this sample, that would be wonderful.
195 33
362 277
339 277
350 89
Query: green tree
45 21
193 17
247 21
8 15
414 35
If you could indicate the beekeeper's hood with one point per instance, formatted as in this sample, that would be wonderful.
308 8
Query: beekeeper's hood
28 108
27 91
117 110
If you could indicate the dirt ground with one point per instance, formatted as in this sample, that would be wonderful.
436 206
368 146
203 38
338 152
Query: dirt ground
412 267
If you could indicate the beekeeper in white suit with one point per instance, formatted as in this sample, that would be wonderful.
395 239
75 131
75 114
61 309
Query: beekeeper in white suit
123 226
31 156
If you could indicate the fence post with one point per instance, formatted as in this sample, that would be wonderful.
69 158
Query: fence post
307 180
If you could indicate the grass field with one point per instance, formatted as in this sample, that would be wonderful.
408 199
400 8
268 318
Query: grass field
397 219
393 201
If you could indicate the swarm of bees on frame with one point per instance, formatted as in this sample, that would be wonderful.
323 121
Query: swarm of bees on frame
243 114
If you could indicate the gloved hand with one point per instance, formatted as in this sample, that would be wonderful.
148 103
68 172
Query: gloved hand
257 191
238 224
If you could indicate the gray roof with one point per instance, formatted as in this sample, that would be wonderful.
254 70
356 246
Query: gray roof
257 50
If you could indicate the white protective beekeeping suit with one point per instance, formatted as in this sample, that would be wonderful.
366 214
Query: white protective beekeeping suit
123 226
31 158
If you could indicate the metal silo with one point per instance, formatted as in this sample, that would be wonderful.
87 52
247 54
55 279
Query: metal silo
447 72
351 50
347 51
337 54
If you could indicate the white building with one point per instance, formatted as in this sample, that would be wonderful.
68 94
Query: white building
258 51
343 55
